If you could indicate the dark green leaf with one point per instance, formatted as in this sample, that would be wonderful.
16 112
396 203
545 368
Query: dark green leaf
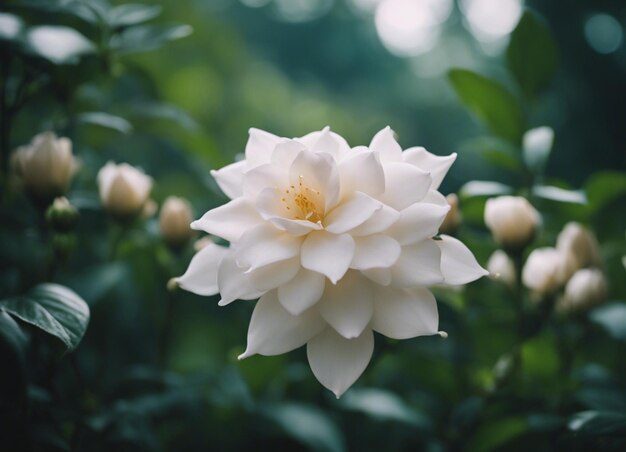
604 187
598 423
132 14
106 120
484 188
383 405
611 317
53 308
532 55
58 44
493 435
491 102
147 37
559 194
11 333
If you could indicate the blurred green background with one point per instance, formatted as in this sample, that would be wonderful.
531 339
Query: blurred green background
178 102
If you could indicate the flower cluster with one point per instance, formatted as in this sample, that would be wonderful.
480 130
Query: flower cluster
337 242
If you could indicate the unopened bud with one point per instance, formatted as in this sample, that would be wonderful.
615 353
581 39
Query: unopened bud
501 268
512 220
544 272
61 215
585 289
124 190
174 221
453 218
172 284
580 246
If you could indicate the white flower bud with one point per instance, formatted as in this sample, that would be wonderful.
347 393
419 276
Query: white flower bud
174 221
512 221
544 271
453 218
501 268
585 289
124 189
579 245
46 165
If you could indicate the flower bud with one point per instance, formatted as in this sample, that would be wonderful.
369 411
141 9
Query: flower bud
453 218
580 246
124 190
585 289
544 271
512 220
61 215
174 221
501 268
46 165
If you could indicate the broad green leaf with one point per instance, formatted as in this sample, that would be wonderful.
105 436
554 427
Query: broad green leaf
106 120
598 423
58 44
491 102
532 55
383 405
132 14
53 308
604 187
11 333
536 147
495 434
307 424
559 194
496 151
484 188
143 38
611 317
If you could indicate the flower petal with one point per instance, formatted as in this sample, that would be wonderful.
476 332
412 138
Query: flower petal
312 141
418 265
260 146
349 305
337 362
351 213
362 171
274 331
375 251
230 179
417 222
405 313
385 143
328 254
380 221
261 177
229 221
201 275
302 292
263 245
404 185
458 264
436 165
380 276
434 197
273 275
317 172
233 283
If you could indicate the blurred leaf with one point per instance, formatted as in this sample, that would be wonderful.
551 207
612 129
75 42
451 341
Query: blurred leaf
496 151
53 308
598 423
537 145
94 283
484 188
544 422
490 102
11 333
611 317
604 187
532 55
90 12
607 398
166 111
540 357
132 14
559 194
383 405
306 424
497 433
58 44
147 37
106 120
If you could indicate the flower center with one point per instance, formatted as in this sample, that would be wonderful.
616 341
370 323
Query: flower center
302 202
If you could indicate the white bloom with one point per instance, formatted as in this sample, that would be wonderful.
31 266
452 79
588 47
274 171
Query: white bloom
46 165
585 289
336 241
501 268
544 271
124 189
176 215
512 221
580 245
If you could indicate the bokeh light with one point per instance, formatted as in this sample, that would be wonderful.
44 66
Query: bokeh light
491 20
301 10
604 33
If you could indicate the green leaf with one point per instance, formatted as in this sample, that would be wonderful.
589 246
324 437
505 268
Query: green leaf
132 14
484 188
147 37
58 44
493 435
536 147
106 120
494 150
383 405
559 194
306 424
604 187
54 309
491 102
11 333
532 55
598 423
611 317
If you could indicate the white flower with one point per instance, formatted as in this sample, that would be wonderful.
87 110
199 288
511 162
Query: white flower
545 271
174 220
512 221
580 245
585 289
124 189
46 165
501 268
336 241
